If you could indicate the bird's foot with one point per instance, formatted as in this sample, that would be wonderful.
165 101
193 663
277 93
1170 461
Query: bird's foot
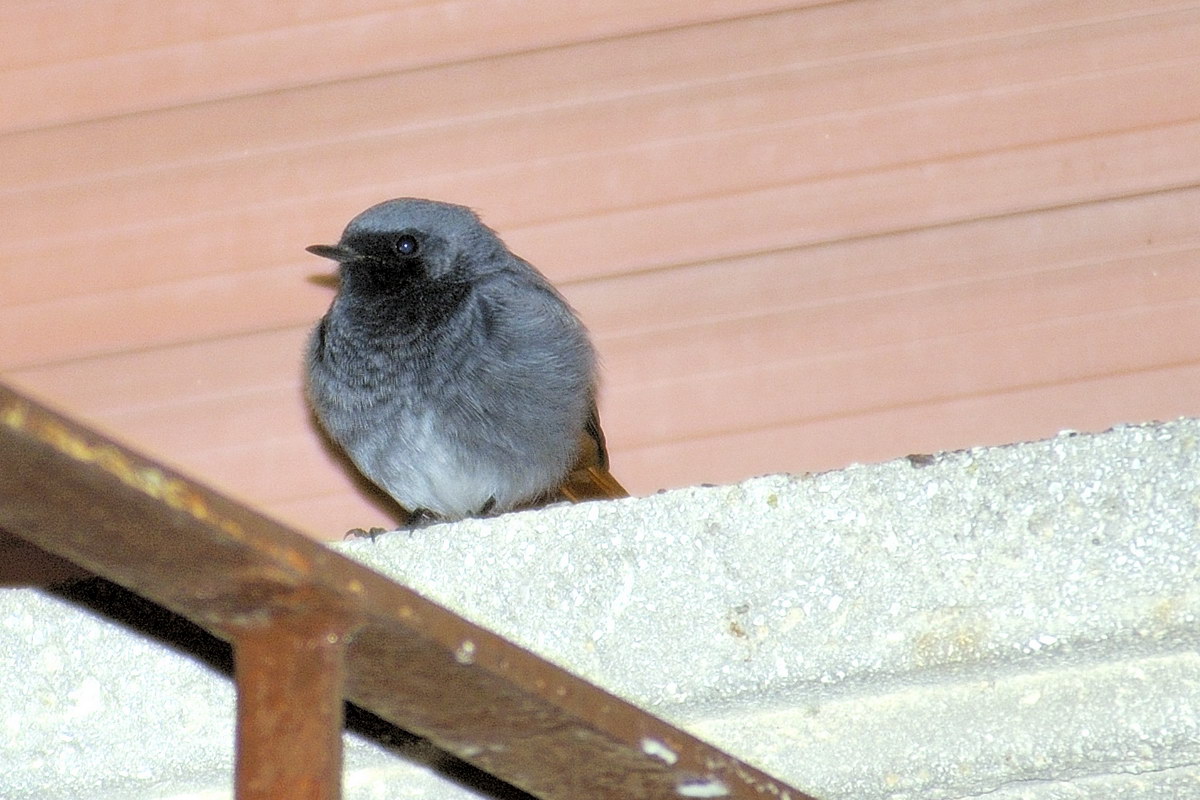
420 518
359 533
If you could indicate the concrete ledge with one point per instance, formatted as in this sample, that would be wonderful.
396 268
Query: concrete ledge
1018 621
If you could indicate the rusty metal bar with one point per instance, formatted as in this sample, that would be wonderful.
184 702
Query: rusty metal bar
290 679
77 494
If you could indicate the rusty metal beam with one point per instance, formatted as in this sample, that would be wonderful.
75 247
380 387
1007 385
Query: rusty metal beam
290 679
298 614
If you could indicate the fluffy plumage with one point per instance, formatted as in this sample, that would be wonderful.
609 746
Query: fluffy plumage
450 370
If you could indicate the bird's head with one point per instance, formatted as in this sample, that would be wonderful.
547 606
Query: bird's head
401 243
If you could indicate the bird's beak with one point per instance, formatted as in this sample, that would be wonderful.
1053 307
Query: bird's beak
336 252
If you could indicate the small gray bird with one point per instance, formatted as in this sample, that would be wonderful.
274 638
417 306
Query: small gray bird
450 371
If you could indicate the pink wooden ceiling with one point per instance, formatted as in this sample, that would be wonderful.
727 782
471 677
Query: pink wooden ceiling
803 234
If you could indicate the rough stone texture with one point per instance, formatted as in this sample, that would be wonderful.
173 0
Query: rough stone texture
1020 622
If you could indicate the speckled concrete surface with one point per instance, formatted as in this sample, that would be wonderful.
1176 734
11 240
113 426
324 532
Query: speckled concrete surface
1018 622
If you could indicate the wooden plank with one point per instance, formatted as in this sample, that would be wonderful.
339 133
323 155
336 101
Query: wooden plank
881 434
638 165
855 116
844 271
714 228
785 347
971 305
966 339
819 275
826 274
821 302
192 63
847 206
907 372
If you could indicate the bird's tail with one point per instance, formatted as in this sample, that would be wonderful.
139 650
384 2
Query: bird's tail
591 482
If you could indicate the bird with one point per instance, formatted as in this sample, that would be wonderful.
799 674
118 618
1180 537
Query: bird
451 372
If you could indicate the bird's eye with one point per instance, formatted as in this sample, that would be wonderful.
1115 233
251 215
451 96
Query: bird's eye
407 245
